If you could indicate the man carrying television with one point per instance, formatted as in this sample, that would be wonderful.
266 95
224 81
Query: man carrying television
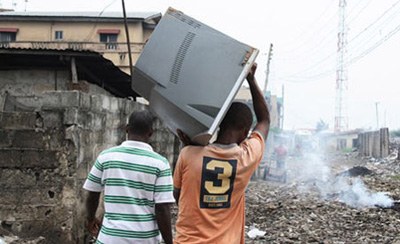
210 181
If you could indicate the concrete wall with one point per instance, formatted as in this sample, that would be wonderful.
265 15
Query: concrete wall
374 143
27 84
45 156
49 139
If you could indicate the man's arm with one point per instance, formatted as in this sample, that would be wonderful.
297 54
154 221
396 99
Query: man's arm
163 216
92 202
259 104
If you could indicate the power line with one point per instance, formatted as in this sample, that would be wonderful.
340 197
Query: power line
97 20
320 64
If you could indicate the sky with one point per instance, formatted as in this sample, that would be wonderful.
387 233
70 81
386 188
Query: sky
304 59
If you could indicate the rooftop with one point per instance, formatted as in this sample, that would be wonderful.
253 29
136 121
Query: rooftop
132 16
91 66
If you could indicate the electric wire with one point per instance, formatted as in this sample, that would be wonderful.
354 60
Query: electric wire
295 76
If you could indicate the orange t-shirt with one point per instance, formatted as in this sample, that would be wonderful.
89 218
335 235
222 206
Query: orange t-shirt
212 180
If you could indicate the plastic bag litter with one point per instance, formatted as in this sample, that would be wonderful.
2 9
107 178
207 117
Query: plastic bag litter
254 233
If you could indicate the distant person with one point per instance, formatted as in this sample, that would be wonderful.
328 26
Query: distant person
210 181
299 151
280 153
137 186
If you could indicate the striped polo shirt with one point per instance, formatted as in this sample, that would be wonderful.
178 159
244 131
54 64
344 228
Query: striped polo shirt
134 179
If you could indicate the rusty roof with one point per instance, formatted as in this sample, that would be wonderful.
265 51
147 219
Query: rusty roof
91 66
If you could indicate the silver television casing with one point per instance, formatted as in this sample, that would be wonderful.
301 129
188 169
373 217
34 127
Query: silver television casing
190 74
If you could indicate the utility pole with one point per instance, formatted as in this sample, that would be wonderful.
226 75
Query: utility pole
341 118
377 115
127 39
267 71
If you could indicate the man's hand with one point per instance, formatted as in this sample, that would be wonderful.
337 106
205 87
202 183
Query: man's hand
94 226
184 137
250 75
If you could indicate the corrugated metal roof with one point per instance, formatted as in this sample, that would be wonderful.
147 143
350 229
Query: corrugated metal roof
113 15
91 66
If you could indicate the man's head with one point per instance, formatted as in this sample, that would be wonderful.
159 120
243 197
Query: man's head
237 121
140 126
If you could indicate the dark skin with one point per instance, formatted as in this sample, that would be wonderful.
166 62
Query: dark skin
232 135
162 210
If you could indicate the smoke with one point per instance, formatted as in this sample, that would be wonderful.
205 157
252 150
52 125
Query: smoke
316 173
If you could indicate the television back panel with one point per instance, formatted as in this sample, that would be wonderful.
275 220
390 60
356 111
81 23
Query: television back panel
190 73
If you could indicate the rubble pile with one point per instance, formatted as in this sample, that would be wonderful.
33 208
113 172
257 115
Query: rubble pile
299 212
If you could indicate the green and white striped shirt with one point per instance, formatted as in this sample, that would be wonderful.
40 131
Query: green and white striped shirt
134 178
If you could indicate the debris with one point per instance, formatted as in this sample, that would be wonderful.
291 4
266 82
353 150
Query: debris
254 233
356 171
299 212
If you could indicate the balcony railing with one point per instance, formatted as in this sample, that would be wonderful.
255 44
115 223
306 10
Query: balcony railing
102 47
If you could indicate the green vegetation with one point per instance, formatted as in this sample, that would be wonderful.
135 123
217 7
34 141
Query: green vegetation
347 150
395 177
394 133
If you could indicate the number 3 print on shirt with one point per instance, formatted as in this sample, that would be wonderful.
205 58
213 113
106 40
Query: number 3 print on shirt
217 179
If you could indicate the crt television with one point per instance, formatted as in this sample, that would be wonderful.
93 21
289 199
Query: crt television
190 74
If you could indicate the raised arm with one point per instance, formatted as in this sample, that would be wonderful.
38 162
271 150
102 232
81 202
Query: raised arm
259 104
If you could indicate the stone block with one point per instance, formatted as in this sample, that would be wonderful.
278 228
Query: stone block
52 118
6 138
114 105
74 116
32 196
51 99
85 101
11 158
32 101
106 103
100 103
82 170
54 139
28 139
96 103
70 99
97 121
39 88
18 120
12 178
61 99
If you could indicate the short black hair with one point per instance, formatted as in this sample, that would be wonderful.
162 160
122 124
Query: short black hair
140 122
239 116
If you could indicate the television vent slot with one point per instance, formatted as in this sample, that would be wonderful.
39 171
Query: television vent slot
180 56
184 19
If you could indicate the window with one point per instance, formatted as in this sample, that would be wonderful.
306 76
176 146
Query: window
109 37
58 35
7 36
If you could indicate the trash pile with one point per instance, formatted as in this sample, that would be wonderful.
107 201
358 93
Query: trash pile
330 199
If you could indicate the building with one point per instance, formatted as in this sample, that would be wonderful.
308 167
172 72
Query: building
338 142
274 102
103 33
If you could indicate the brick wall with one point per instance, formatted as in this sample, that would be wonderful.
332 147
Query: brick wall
46 154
